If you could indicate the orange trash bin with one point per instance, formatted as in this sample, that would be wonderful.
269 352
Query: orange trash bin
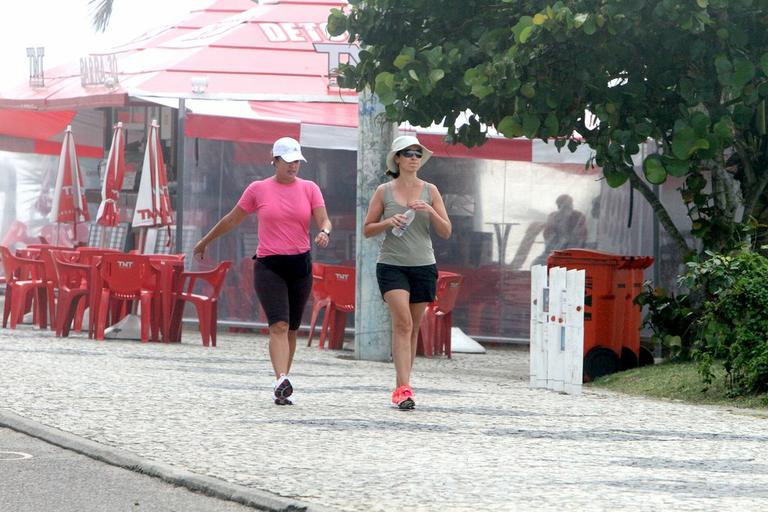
631 269
611 320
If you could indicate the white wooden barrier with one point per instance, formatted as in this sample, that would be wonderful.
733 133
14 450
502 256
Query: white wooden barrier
557 329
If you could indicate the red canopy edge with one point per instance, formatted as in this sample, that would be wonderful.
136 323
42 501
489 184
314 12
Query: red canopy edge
50 147
28 124
494 149
91 100
45 147
265 131
330 113
238 129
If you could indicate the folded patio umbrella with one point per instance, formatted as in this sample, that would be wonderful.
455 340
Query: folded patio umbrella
109 211
153 209
69 203
153 206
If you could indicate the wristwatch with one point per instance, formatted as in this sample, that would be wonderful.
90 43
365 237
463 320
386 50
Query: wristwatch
327 232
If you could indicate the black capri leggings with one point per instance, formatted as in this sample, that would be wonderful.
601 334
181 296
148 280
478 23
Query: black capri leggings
283 285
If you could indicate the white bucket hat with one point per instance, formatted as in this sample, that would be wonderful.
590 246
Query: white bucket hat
400 144
288 149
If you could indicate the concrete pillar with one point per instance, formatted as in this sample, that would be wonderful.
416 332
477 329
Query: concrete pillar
373 328
180 120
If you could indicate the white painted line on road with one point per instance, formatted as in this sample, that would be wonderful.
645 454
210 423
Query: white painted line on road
14 455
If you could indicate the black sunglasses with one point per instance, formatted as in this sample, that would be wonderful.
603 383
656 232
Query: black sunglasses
410 153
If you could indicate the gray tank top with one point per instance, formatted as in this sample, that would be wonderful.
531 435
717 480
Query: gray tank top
414 248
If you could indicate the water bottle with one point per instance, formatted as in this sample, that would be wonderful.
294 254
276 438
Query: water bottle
410 214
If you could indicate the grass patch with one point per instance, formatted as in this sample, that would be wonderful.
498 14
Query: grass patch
678 381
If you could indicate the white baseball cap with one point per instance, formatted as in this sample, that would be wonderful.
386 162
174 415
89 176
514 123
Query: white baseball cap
288 149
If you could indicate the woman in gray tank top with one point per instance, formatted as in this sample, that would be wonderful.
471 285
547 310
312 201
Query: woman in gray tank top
404 210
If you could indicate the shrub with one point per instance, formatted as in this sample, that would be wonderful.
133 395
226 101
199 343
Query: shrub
730 298
669 317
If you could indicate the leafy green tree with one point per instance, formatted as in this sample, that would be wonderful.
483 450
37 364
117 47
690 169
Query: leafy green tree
691 75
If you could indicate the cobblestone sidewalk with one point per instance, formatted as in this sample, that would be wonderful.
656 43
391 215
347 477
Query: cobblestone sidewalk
478 440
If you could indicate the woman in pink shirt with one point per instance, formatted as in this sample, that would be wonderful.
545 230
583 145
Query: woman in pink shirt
284 204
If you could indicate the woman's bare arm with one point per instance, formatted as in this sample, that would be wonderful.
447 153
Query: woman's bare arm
224 226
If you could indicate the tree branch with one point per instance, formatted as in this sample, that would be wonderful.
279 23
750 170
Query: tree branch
661 212
756 189
724 192
745 161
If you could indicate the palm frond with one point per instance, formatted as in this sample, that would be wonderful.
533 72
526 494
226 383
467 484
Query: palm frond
102 11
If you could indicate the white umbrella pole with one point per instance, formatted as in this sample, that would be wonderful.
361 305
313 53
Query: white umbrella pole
142 239
142 244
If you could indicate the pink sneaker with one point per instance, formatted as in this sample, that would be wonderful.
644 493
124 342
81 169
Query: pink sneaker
402 398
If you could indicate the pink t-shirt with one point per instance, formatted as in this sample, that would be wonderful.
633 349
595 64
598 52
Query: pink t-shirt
284 212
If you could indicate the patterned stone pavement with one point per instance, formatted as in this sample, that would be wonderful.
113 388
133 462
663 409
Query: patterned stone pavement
478 440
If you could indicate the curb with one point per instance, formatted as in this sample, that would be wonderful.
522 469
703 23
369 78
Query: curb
216 488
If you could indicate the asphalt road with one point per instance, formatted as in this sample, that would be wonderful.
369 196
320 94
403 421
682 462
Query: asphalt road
39 477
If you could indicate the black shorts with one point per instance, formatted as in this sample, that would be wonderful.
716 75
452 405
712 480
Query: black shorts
283 285
420 282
